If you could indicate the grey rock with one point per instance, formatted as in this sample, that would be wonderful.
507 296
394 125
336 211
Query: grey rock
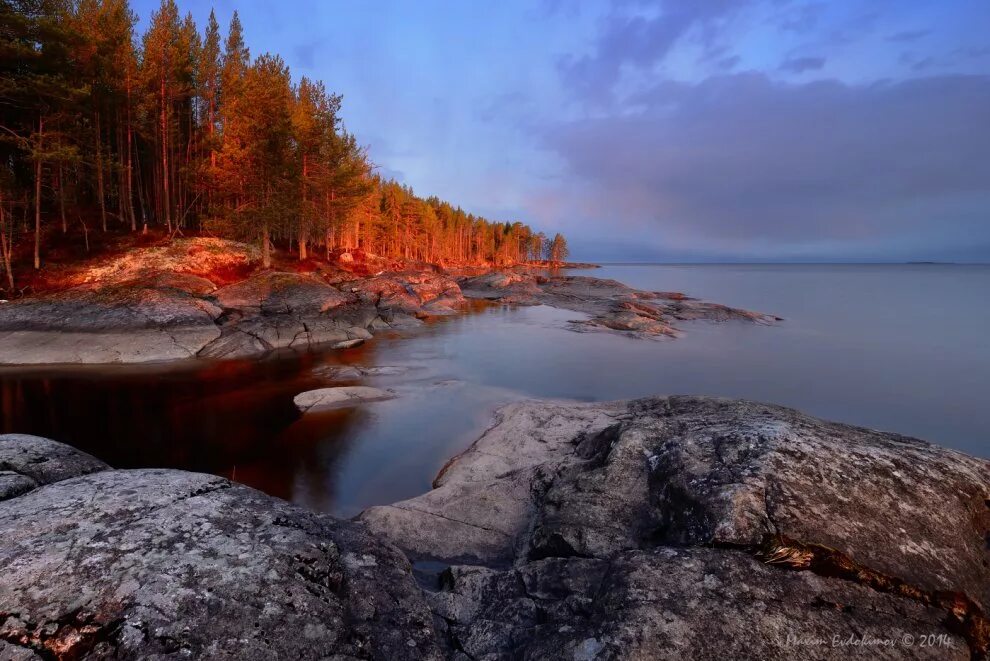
340 396
676 603
251 335
409 292
14 484
610 305
733 472
646 488
660 528
117 324
27 462
348 344
350 372
234 343
276 292
483 502
157 563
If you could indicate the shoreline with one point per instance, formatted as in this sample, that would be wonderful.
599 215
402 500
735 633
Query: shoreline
162 306
689 515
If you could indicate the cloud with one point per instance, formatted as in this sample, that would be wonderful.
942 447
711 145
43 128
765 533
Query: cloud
799 19
727 63
632 37
802 64
908 36
743 165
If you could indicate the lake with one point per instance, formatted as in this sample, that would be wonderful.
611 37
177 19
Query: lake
897 347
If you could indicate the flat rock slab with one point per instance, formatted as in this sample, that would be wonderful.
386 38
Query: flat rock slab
341 396
161 564
68 347
119 324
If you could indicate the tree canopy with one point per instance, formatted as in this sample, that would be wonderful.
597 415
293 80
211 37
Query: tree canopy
187 132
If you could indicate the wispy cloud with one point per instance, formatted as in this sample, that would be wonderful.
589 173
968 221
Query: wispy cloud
908 36
632 36
802 64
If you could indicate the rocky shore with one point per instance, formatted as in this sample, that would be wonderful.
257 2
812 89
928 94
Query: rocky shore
207 298
659 528
611 305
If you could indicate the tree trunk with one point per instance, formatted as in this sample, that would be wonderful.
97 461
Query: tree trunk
99 172
166 203
266 254
130 150
303 222
61 200
37 194
85 229
5 247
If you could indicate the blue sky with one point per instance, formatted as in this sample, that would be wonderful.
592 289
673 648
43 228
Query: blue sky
688 130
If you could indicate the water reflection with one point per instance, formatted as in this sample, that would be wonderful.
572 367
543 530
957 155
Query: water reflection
898 348
237 419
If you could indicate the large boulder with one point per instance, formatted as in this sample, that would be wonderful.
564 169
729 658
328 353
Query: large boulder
410 292
162 563
886 530
276 292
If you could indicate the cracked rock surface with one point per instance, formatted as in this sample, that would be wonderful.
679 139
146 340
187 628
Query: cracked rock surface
160 316
167 564
659 528
637 529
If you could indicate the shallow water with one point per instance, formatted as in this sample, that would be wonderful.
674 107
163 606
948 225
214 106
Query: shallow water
902 348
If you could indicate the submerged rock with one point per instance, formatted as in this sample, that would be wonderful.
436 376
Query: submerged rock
161 563
332 398
348 372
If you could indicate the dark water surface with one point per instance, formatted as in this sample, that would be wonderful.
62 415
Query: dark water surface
903 348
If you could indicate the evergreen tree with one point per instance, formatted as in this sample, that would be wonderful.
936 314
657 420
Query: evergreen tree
184 132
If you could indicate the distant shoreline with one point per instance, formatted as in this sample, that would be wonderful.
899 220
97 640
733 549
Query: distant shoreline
920 263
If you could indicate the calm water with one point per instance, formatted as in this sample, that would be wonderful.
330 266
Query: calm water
902 348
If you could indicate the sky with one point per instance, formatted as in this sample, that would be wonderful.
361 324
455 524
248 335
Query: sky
670 130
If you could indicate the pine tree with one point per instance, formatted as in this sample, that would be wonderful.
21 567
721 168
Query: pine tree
159 66
209 89
190 133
